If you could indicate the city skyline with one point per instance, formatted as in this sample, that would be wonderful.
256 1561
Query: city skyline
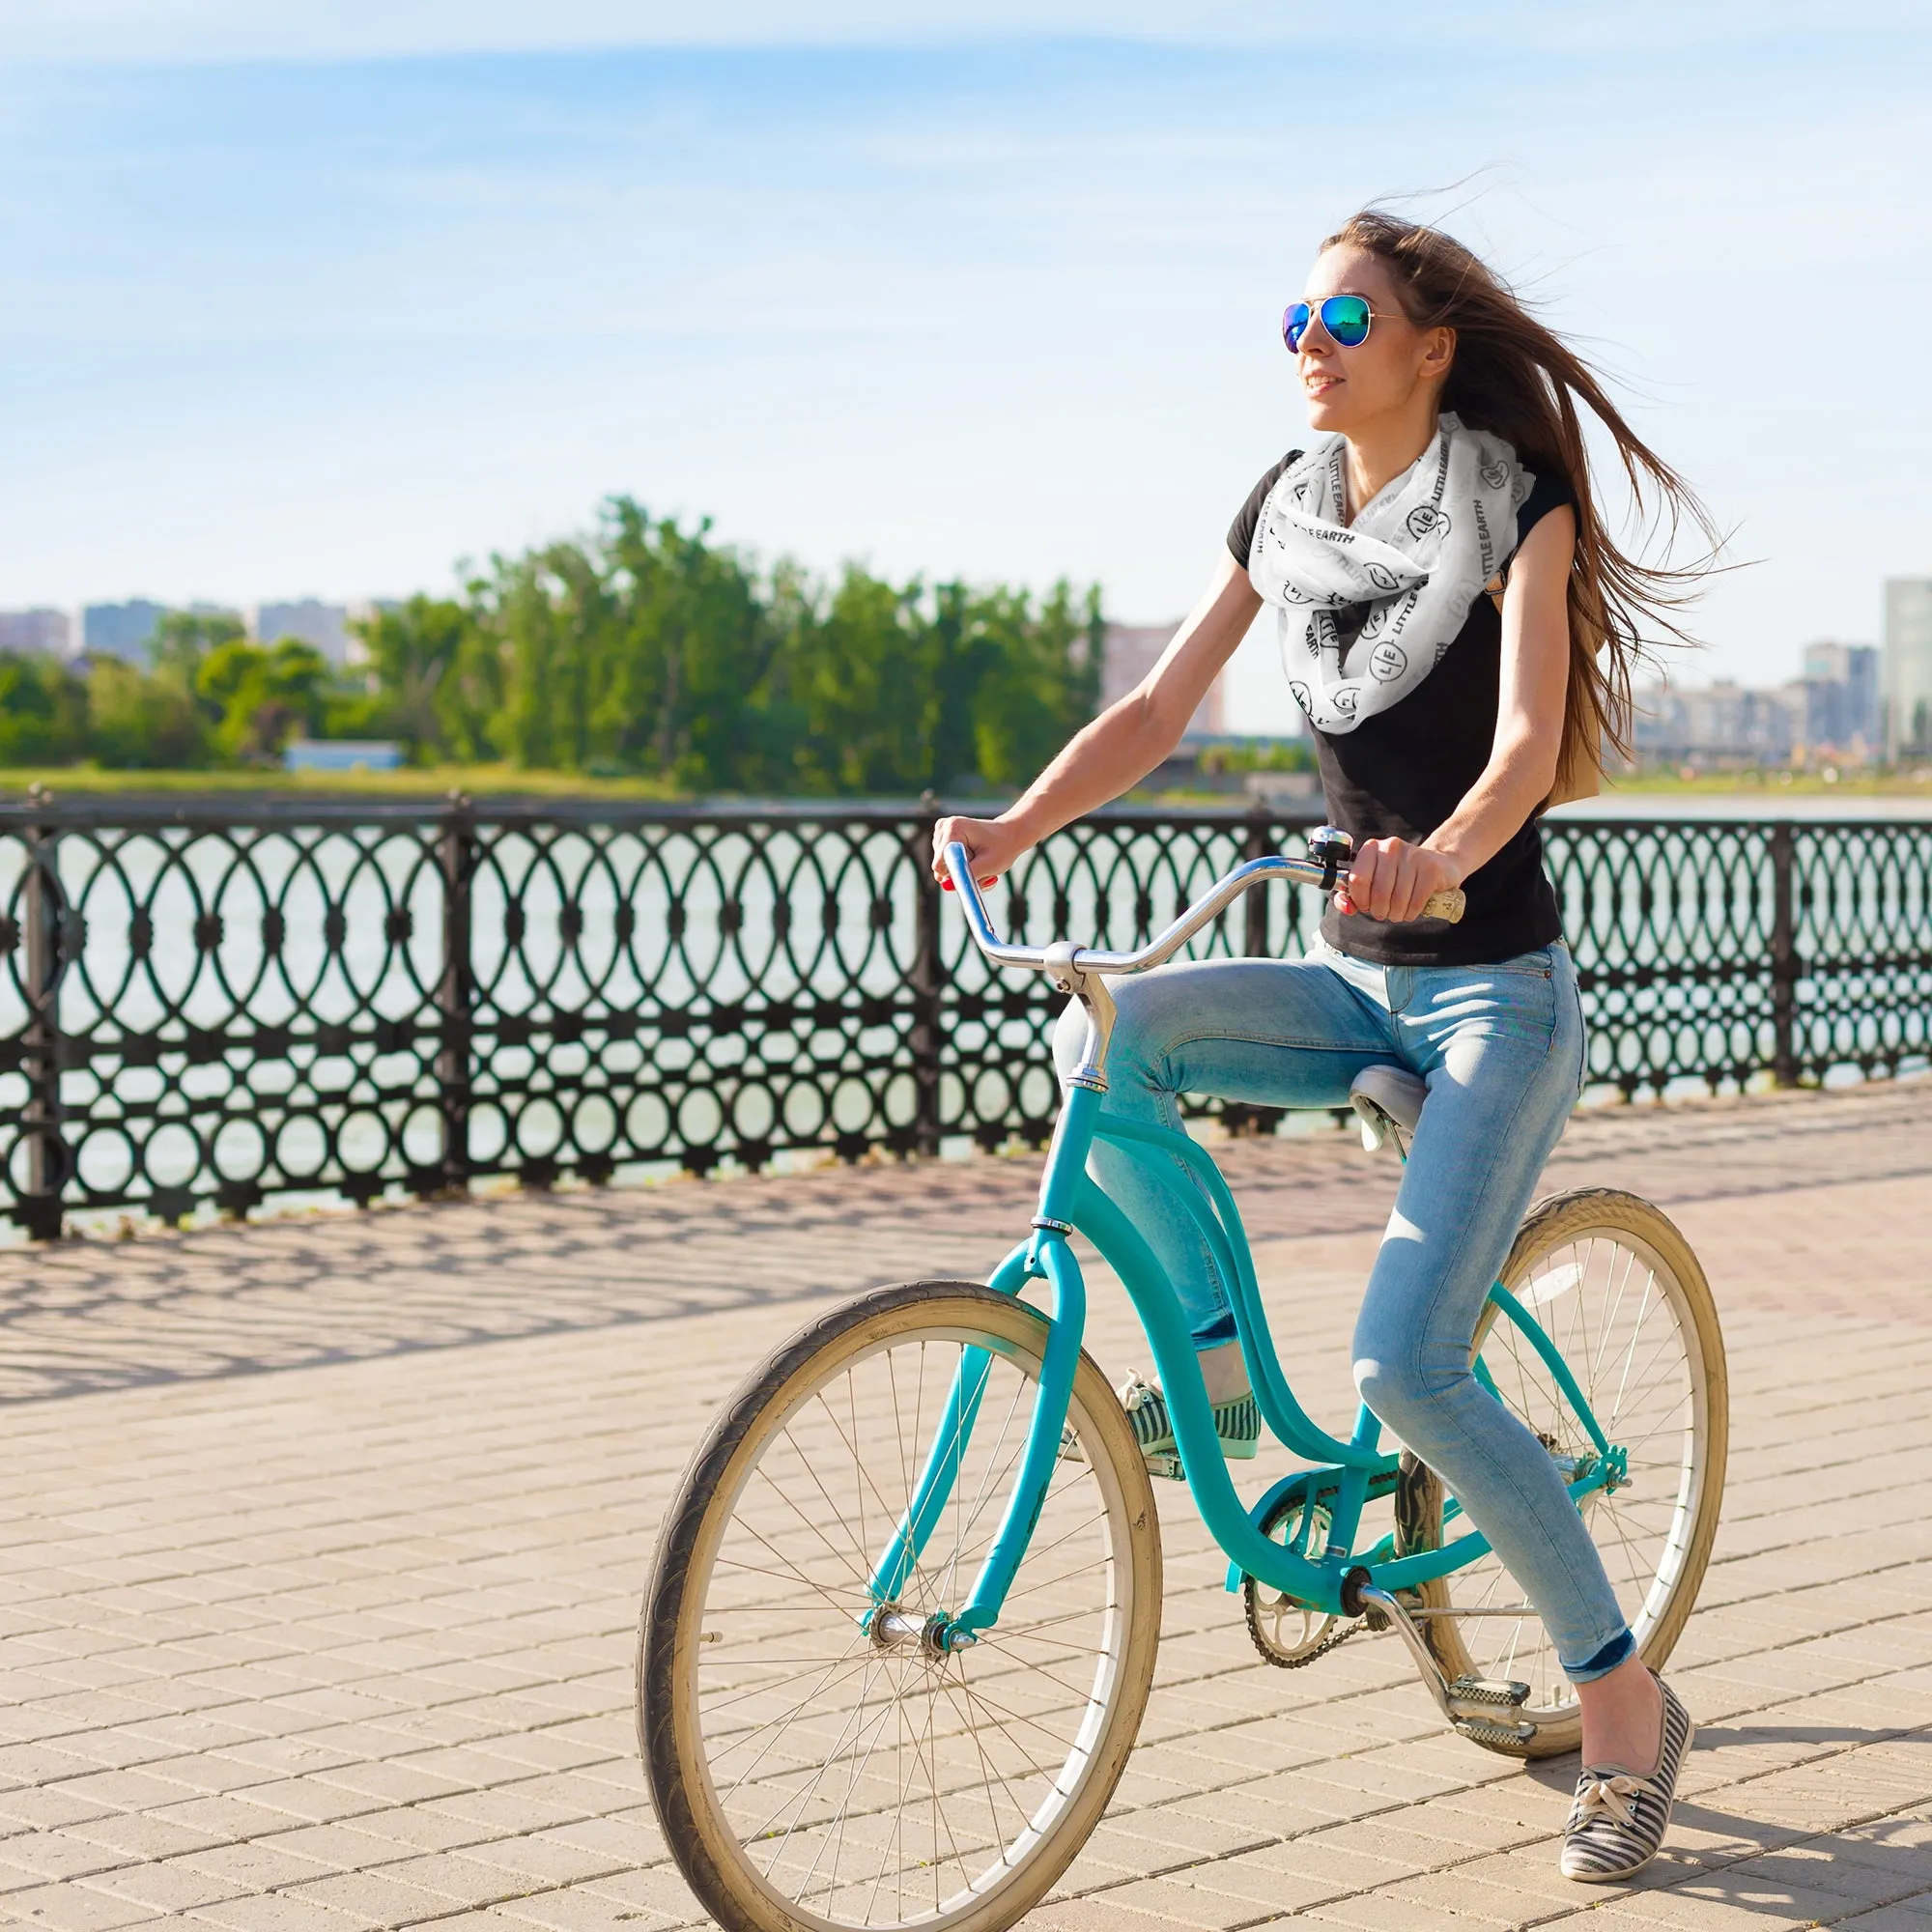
1002 308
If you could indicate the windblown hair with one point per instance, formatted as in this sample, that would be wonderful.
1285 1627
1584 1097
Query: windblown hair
1520 381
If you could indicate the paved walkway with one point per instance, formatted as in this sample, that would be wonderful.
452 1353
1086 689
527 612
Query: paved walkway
321 1545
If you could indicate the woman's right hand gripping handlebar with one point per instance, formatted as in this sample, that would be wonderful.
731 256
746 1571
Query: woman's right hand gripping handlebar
992 846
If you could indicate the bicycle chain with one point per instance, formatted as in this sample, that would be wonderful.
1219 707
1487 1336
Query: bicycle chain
1321 1649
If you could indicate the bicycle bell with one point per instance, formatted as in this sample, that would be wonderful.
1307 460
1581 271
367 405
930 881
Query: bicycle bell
1331 848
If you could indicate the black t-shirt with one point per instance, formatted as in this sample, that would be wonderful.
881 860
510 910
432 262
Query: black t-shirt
1402 771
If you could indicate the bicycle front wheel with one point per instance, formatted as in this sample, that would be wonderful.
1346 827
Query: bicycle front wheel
810 1773
1618 1291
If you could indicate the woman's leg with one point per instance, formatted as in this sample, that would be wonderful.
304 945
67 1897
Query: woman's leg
1501 1048
1270 1031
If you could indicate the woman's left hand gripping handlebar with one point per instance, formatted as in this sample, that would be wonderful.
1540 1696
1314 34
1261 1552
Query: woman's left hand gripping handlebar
1391 880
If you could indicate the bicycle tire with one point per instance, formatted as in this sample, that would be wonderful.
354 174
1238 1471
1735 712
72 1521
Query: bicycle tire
691 1596
1656 1547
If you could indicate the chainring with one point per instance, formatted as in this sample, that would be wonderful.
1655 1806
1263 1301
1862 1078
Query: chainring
1268 1609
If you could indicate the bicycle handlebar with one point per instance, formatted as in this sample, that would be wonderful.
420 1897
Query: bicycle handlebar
1444 905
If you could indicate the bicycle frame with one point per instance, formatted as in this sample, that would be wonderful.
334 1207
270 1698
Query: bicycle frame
1071 1200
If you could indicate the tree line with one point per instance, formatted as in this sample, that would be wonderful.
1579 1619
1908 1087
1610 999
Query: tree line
644 649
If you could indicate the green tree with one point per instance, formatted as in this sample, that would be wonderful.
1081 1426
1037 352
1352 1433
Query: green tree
862 672
688 693
1041 683
139 722
261 694
438 679
43 711
183 639
646 647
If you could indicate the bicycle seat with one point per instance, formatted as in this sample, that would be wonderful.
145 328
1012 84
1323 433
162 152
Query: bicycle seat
1388 1101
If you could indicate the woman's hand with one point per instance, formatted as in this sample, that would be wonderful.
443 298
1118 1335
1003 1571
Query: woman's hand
1392 879
992 847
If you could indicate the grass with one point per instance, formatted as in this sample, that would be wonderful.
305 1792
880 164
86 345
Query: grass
1914 782
411 782
484 780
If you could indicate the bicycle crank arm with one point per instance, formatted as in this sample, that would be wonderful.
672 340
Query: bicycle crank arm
1478 1707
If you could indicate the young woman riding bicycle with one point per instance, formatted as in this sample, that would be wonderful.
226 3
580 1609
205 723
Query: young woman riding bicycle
1459 630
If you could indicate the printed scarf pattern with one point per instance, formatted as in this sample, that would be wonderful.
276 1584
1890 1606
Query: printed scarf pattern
1368 610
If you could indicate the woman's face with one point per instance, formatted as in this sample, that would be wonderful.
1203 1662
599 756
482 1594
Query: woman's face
1381 379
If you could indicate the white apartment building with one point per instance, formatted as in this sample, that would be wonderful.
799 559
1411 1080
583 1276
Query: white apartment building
1908 668
325 626
37 630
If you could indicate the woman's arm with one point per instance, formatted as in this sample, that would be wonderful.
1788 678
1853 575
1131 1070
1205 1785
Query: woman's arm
1391 879
1123 743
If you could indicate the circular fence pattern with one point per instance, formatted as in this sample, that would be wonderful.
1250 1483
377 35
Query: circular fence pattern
221 1004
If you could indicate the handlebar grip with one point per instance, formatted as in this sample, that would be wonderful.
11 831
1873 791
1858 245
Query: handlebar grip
1449 905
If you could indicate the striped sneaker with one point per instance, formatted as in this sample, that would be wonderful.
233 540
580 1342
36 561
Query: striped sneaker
1237 1424
1618 1819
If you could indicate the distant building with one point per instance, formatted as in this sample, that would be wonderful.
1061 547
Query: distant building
1908 668
120 630
325 626
1723 723
37 630
1843 716
1131 651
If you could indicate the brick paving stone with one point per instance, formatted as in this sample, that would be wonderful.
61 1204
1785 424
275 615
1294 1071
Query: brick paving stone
1385 1912
77 1908
173 1886
275 1912
320 1544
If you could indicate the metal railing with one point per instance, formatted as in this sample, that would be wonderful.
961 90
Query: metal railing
221 1003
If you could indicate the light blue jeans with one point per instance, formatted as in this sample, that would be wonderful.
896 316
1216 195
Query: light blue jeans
1502 1047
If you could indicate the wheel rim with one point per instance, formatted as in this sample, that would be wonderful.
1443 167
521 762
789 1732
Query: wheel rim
1619 1315
876 1786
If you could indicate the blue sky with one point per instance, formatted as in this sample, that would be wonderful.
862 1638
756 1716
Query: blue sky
322 300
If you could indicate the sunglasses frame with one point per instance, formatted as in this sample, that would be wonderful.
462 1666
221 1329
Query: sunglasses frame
1315 309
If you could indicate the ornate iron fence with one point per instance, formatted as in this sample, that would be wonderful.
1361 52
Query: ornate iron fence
221 1004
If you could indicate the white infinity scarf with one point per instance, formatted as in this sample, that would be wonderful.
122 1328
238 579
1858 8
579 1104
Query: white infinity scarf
1368 610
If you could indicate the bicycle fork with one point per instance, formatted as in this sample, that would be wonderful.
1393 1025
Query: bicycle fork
1045 1256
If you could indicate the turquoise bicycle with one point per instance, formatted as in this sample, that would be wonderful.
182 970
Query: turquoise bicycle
902 1623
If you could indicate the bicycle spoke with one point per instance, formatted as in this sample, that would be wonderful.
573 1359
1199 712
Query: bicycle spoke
863 1778
1622 1328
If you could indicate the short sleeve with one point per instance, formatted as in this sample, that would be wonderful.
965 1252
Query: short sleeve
1247 519
1550 491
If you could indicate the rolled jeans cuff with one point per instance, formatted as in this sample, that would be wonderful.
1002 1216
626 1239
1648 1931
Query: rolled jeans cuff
1619 1650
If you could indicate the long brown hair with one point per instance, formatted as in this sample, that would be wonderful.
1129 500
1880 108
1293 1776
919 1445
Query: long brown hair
1520 381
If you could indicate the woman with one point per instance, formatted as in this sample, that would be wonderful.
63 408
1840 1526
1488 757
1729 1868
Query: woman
1460 630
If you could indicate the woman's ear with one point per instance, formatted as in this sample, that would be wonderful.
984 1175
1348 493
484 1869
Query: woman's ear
1438 354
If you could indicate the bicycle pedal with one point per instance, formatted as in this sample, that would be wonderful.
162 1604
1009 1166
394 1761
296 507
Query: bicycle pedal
1486 1731
1502 1691
1167 1466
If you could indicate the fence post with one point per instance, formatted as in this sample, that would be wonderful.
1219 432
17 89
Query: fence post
456 991
1255 906
1784 961
41 1213
926 972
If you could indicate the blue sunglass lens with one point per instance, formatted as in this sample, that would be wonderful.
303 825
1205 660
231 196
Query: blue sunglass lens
1295 324
1346 319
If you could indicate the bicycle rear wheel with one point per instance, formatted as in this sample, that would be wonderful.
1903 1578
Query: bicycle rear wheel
809 1775
1616 1287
